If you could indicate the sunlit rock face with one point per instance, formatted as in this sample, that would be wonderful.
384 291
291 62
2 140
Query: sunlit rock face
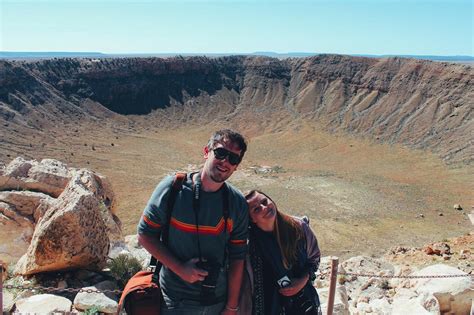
65 215
419 103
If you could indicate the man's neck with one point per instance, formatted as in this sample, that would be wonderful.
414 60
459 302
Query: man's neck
207 184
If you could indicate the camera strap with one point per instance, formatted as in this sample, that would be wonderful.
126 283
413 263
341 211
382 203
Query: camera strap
196 207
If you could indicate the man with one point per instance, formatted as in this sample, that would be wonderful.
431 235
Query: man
195 278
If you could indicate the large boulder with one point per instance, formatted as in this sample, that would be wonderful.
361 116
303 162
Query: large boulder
407 301
71 234
455 295
48 176
71 211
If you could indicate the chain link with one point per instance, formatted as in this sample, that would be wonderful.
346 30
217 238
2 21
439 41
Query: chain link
405 277
321 275
53 289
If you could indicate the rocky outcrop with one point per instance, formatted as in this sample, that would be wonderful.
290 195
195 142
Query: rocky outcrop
454 295
70 210
354 294
380 295
49 177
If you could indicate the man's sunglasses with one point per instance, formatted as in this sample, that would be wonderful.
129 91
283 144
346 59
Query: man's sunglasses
221 153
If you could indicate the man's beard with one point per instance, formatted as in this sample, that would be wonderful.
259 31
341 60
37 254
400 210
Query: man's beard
217 177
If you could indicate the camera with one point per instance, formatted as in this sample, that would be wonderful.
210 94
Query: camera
284 282
208 285
301 304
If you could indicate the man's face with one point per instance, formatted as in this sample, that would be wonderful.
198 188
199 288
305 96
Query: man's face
217 165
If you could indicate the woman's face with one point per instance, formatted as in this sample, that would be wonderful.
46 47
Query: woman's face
262 211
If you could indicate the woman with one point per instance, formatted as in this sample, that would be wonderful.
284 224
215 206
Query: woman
283 259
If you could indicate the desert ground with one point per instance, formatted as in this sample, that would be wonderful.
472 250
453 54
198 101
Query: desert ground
361 197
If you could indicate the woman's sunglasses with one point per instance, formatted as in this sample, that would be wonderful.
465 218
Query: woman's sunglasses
221 153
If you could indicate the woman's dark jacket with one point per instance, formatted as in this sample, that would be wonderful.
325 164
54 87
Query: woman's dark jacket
256 293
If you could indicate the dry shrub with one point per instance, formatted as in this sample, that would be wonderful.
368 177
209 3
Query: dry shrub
123 267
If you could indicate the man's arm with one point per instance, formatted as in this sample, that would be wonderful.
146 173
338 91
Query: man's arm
234 282
186 271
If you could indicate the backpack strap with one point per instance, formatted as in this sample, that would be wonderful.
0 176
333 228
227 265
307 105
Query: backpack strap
175 189
225 212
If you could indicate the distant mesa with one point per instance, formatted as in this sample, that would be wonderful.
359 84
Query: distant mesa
48 54
280 55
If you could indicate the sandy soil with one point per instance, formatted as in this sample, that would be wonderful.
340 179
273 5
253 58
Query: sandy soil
361 197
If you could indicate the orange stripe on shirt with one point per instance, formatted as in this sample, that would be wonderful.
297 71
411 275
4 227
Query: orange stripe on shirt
150 223
238 242
203 229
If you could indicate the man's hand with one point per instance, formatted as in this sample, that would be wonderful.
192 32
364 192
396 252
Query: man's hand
296 285
189 272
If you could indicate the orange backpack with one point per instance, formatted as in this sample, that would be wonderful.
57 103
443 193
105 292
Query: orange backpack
142 293
141 296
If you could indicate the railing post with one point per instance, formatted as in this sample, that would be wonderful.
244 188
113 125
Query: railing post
332 284
1 288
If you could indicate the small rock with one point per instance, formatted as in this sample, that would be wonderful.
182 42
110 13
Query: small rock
105 302
439 249
457 207
440 214
446 257
47 303
429 251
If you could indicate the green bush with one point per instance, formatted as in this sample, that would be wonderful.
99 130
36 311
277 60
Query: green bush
123 267
91 311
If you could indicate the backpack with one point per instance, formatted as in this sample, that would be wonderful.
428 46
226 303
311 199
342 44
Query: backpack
142 293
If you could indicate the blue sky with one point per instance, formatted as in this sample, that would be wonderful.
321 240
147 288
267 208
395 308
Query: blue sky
428 27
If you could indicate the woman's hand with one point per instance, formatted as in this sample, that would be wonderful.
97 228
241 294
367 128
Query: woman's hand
230 310
297 284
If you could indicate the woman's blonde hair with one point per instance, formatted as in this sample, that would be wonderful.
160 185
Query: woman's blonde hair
287 231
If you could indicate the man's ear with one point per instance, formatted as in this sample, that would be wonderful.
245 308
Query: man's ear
206 152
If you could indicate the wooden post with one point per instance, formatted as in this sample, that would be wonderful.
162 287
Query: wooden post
1 288
332 284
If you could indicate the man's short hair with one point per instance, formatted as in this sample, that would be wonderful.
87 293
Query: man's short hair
228 135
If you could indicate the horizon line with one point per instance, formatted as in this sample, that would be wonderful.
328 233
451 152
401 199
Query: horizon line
11 52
